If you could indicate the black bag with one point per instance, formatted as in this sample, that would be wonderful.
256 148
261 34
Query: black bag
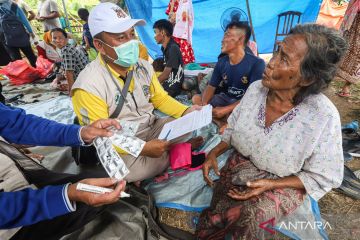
12 30
141 199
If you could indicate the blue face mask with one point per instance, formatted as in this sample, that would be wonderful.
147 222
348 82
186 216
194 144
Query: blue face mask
127 53
71 42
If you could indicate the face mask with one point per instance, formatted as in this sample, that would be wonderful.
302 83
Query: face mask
127 53
71 42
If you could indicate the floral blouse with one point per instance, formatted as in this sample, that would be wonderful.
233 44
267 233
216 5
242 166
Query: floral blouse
305 142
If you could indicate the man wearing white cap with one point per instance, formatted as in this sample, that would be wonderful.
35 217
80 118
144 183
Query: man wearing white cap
118 74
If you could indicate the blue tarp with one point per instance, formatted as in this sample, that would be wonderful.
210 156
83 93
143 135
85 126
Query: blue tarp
208 33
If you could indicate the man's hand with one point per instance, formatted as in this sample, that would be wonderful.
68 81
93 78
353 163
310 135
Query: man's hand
210 163
98 129
255 188
155 148
95 199
192 108
40 18
219 112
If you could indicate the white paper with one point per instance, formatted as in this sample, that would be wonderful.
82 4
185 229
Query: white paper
188 123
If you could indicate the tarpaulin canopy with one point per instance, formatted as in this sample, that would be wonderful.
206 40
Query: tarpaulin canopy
208 33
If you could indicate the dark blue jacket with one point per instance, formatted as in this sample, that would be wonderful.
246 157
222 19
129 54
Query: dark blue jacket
29 206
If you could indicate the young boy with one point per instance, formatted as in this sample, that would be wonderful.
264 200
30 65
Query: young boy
87 40
172 77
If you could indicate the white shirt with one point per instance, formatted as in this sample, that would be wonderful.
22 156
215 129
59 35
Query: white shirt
45 9
305 142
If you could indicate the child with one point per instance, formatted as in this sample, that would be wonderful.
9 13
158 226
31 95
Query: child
87 38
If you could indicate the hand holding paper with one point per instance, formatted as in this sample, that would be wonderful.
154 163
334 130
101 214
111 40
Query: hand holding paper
188 123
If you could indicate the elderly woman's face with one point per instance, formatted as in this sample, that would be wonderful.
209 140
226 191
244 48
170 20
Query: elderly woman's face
283 70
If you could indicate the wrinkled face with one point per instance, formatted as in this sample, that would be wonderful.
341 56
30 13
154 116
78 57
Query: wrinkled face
113 40
283 70
233 38
159 36
58 39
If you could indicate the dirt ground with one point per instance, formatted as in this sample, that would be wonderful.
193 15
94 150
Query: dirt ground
342 212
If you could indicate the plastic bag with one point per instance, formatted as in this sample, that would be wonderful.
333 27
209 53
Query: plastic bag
20 72
44 67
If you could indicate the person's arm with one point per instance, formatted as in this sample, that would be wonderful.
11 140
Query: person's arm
220 112
211 161
324 169
165 74
54 11
30 206
20 14
29 11
52 15
69 75
31 15
17 127
87 44
207 94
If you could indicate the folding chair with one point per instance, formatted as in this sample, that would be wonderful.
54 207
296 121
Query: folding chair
287 19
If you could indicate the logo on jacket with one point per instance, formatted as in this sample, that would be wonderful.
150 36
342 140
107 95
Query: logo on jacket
117 98
146 90
244 80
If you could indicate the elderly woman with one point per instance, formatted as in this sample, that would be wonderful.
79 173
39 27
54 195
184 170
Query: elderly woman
286 137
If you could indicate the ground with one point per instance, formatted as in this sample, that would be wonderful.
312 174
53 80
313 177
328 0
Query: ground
336 207
341 211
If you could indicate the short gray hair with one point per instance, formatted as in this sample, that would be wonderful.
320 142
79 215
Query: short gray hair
326 47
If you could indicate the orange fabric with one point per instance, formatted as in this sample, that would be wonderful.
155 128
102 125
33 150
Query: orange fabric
48 39
331 14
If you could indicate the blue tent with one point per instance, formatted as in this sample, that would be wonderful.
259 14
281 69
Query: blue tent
208 33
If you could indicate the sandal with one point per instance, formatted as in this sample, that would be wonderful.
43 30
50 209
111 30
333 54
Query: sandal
344 94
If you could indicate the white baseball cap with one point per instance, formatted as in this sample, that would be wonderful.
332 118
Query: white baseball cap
109 17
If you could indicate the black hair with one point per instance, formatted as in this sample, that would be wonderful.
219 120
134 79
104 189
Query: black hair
243 26
59 30
83 14
158 65
326 47
164 25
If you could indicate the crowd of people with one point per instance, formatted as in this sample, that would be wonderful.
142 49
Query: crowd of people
284 134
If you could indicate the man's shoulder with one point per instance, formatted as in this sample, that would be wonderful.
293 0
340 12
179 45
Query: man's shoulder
222 61
253 58
173 47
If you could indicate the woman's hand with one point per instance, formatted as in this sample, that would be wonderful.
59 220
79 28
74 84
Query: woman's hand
255 188
210 163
